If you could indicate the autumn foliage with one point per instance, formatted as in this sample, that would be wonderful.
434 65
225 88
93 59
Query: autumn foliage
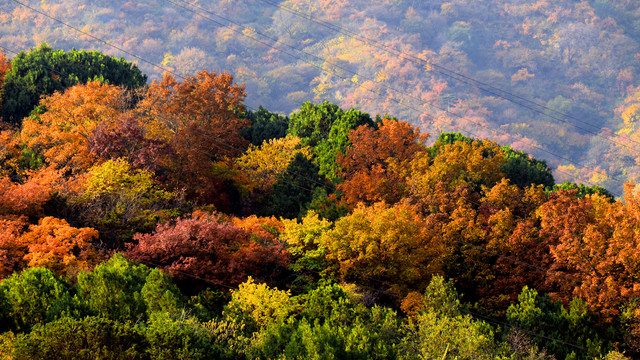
198 118
387 248
207 248
352 219
126 139
61 134
51 243
22 199
372 164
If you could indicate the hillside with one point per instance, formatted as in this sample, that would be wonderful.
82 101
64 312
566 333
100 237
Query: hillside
169 221
553 78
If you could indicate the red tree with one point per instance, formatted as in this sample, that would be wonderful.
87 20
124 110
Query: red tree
204 247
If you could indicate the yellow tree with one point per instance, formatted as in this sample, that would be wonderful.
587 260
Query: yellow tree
471 164
264 164
386 248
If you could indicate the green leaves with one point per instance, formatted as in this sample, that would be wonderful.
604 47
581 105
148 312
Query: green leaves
89 338
325 128
124 291
34 296
442 331
44 70
265 125
567 332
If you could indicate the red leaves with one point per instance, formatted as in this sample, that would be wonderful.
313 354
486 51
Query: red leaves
206 247
125 139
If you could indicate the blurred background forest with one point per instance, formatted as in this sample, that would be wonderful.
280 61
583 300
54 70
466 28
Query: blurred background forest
558 79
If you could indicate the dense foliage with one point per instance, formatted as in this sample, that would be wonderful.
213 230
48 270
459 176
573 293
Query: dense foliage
163 228
44 70
557 79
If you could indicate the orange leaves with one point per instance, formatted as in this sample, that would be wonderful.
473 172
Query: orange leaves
22 199
11 253
198 119
10 152
371 164
61 133
200 111
261 227
56 245
595 241
52 243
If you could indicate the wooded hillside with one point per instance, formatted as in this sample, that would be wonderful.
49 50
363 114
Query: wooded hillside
557 79
168 220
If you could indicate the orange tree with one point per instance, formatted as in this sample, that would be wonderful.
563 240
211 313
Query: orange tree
198 117
370 164
60 134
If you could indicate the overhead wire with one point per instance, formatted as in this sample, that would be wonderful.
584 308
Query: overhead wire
323 184
452 74
577 346
320 67
462 242
155 65
399 102
183 78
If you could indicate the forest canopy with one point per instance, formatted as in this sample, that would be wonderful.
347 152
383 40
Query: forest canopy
167 217
551 78
44 70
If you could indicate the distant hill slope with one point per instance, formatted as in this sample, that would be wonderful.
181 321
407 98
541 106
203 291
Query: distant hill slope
545 59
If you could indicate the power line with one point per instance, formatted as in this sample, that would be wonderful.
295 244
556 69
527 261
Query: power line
98 39
430 65
248 35
462 242
183 78
376 93
321 68
294 48
299 58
